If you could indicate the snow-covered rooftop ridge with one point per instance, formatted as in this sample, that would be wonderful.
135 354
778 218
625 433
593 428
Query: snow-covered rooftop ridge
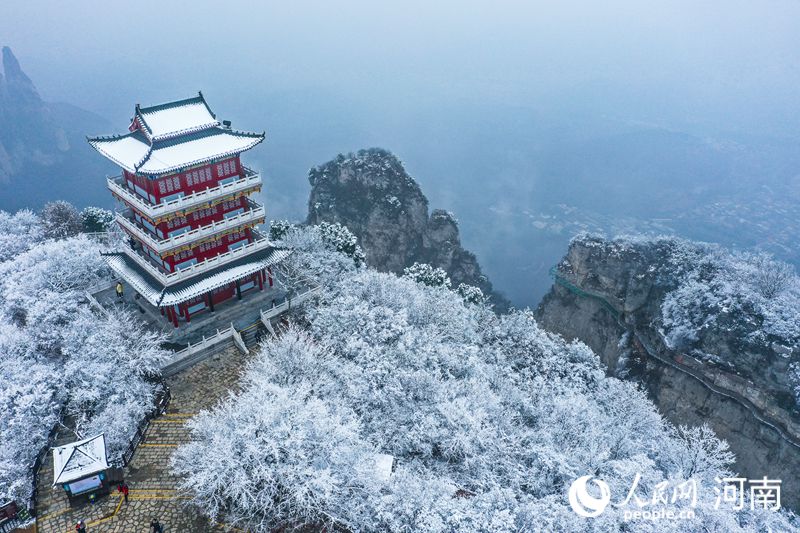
160 296
175 118
133 153
168 137
79 459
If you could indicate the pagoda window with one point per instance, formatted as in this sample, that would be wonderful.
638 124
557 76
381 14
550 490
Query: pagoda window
234 246
178 231
183 255
147 224
230 214
186 264
171 197
176 222
236 235
200 214
141 192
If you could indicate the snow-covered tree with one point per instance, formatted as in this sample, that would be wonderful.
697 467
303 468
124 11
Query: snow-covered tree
61 358
794 379
471 294
316 257
342 240
60 219
111 365
427 275
96 219
489 419
30 406
18 232
279 228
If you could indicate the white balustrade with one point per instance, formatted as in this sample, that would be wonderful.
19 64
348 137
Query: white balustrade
162 245
154 211
198 268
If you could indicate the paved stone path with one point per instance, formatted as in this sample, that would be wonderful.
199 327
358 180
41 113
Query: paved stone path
153 489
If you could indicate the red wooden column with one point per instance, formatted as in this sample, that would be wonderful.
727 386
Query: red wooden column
260 280
269 270
210 300
185 309
172 315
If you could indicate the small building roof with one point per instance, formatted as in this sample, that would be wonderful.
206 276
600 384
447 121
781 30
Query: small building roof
160 296
79 459
175 118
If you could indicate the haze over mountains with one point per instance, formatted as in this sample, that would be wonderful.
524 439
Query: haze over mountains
522 177
43 151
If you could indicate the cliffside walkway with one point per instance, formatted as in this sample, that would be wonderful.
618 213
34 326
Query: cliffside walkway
757 413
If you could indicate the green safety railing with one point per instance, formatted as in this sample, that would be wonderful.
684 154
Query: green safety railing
564 282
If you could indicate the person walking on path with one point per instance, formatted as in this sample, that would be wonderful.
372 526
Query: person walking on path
156 526
123 488
80 527
120 290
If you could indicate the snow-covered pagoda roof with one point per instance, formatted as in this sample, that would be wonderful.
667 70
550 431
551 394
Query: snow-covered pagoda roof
160 296
79 459
163 121
170 137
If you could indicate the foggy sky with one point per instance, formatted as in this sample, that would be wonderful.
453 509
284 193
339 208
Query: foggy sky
719 65
468 94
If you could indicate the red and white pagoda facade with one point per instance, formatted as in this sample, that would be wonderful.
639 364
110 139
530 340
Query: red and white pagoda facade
187 209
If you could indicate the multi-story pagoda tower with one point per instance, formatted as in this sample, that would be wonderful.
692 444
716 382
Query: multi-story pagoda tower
187 209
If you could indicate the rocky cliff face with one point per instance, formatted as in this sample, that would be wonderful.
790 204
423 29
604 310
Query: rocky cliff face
371 193
43 152
734 371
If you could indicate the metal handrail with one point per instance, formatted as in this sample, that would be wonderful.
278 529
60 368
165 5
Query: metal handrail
153 211
169 243
162 399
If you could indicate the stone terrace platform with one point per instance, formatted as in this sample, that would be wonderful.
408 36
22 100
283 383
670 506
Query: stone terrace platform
153 489
241 313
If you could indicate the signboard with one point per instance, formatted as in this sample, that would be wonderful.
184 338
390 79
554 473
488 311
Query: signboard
85 485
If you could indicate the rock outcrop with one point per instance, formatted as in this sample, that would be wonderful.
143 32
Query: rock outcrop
609 294
43 152
371 193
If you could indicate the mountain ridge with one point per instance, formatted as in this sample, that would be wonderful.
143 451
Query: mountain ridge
43 153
